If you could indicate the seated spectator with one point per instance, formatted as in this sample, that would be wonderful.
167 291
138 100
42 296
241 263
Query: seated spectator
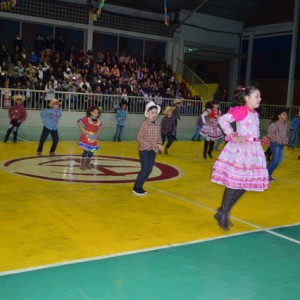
32 58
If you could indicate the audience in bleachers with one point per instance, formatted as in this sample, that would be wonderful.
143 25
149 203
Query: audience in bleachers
49 65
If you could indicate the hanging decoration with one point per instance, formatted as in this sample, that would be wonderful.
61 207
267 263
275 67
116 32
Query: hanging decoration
166 15
8 4
96 11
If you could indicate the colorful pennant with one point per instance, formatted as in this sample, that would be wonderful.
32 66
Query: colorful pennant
8 4
166 15
96 12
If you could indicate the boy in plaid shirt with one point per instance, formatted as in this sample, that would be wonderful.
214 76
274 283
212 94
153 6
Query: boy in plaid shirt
150 142
17 115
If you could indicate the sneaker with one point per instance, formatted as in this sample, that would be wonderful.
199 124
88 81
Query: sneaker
145 192
139 192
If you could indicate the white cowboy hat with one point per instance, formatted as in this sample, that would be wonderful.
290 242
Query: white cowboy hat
150 104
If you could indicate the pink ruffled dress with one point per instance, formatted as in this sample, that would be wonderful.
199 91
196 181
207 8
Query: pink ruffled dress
241 165
210 129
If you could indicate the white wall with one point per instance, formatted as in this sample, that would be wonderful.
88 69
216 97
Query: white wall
68 130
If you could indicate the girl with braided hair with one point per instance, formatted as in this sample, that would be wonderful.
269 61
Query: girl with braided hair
241 165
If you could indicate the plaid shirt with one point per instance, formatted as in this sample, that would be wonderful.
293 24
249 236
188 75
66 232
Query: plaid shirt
149 136
277 132
17 112
168 125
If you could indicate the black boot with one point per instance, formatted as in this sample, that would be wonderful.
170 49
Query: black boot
236 197
9 130
268 154
205 149
210 149
15 136
229 199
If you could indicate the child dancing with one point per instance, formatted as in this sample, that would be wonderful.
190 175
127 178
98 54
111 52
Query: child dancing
210 129
277 133
149 138
50 118
121 117
17 115
241 165
168 127
90 126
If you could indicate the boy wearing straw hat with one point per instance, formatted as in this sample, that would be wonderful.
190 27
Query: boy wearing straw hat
176 114
149 138
168 127
50 118
17 115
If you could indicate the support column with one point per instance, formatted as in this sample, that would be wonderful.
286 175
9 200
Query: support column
249 58
89 35
291 82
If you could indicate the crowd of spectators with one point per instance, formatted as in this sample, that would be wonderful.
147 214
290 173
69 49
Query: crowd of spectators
51 66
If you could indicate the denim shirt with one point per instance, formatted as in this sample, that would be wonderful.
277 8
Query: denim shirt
50 118
121 117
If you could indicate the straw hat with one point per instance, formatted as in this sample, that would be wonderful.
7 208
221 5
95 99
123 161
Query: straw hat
177 101
19 97
54 101
168 108
150 104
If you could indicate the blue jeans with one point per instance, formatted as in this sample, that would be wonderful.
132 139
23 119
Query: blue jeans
118 133
293 137
219 141
44 135
147 159
277 156
169 136
197 134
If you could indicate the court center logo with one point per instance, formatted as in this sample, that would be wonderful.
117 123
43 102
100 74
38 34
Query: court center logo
105 169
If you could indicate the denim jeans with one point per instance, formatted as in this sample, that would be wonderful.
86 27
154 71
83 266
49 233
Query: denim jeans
45 133
118 133
293 137
169 136
277 156
197 135
147 159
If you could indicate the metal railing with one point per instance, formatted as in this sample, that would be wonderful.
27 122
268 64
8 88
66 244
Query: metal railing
72 101
193 79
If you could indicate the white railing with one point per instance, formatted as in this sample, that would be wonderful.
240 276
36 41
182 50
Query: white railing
71 101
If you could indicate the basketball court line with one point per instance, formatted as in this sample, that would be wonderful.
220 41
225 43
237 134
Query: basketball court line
4 133
289 181
76 261
259 228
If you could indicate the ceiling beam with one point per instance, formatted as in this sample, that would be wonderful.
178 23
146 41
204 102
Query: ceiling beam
193 12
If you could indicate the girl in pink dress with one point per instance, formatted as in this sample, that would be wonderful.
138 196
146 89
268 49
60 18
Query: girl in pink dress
90 126
211 130
241 165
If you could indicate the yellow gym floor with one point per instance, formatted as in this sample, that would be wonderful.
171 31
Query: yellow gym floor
52 212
